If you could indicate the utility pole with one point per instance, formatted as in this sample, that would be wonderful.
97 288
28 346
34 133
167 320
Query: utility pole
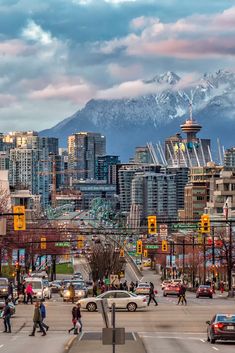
204 259
230 260
213 253
183 256
193 277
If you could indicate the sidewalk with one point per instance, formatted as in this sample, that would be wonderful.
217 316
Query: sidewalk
87 343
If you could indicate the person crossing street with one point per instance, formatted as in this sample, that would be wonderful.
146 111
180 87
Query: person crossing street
37 320
152 294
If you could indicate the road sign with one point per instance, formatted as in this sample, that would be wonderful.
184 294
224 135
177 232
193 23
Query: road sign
114 280
64 244
151 246
19 221
163 230
184 226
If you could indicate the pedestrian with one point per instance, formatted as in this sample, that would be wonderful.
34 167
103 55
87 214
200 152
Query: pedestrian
10 289
103 288
125 287
29 293
213 287
136 284
221 287
76 320
24 291
152 294
182 293
121 286
94 290
43 315
7 317
132 287
71 291
37 320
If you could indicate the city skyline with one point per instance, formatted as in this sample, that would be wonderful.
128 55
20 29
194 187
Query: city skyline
55 56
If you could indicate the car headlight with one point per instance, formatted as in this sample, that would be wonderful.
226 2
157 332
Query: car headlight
39 294
81 292
4 290
67 293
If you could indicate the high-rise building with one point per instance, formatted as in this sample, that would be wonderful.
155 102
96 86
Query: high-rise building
155 194
229 157
4 160
142 155
104 170
190 151
83 149
51 143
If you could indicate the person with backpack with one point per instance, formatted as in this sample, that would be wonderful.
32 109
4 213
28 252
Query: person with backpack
7 317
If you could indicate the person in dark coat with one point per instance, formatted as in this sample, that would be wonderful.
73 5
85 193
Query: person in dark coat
94 290
7 317
37 320
152 294
72 291
76 317
43 314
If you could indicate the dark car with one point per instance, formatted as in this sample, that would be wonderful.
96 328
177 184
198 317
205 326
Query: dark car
221 327
55 286
204 291
3 287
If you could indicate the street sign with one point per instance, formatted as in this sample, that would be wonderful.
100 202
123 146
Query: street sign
163 230
64 244
151 246
184 226
114 280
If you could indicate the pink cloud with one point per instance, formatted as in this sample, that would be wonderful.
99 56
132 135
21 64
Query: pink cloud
13 47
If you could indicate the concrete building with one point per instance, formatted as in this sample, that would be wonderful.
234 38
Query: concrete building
104 170
142 155
229 157
126 173
155 194
4 160
197 191
83 149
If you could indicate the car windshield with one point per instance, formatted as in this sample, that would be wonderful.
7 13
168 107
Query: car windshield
205 287
143 285
36 285
226 318
3 282
46 283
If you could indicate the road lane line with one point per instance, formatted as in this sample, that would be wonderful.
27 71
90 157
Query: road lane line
1 345
202 340
215 348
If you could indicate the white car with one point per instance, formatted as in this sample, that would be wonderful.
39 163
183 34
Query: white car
122 299
143 289
46 289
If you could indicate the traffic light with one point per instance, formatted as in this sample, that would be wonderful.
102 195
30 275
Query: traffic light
17 266
145 253
80 243
164 245
43 243
152 224
122 253
19 221
205 224
139 247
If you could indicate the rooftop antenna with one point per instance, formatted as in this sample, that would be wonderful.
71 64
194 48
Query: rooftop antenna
191 110
220 153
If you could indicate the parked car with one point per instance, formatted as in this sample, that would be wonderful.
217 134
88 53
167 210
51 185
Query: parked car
80 291
3 287
204 291
55 286
122 300
171 289
77 275
142 289
221 327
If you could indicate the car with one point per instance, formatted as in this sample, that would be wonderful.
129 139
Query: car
77 275
122 299
142 289
166 283
46 289
204 291
221 327
80 291
171 289
55 286
37 285
3 287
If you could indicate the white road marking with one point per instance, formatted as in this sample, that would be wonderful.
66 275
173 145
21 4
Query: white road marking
1 345
215 348
170 337
172 333
133 334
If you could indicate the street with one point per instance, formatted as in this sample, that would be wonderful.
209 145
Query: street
167 327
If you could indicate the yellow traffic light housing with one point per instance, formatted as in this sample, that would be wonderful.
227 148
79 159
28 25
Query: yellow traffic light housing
205 224
80 243
43 243
164 245
19 220
139 247
145 253
152 225
122 253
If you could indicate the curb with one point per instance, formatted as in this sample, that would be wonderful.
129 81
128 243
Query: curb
69 344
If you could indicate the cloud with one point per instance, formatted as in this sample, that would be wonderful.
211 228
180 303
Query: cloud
194 37
12 47
34 32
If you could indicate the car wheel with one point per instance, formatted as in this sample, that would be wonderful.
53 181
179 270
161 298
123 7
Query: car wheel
131 307
91 306
212 340
164 295
208 339
211 297
197 296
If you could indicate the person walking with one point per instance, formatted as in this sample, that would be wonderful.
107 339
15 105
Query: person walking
76 319
132 287
152 294
37 320
182 293
29 293
72 292
125 287
94 290
10 290
221 287
79 318
7 317
43 315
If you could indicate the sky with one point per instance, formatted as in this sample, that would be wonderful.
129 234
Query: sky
56 55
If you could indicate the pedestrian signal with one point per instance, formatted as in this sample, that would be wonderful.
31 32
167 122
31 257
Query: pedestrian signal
139 247
152 224
164 245
205 224
19 220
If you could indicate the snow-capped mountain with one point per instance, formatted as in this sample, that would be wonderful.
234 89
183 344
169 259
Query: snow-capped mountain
132 122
